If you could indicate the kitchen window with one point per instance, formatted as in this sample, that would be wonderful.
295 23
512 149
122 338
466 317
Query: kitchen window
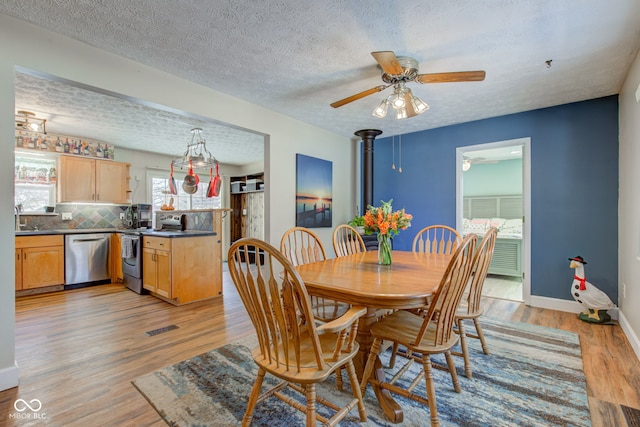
158 189
35 183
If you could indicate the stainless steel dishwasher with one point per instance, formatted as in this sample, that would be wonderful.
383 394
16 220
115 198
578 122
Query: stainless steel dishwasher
86 258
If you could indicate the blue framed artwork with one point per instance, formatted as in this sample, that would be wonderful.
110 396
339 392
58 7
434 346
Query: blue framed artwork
313 192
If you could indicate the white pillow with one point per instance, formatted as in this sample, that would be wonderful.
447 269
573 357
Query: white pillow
512 226
477 225
496 222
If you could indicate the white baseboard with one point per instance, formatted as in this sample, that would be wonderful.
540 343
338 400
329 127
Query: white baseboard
564 305
574 307
630 334
9 377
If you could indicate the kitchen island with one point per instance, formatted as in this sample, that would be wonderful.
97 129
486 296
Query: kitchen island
182 266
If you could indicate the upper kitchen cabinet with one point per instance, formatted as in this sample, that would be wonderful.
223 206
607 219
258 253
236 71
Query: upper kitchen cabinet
82 179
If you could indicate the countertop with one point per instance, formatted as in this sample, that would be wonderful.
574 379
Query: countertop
172 233
67 231
149 232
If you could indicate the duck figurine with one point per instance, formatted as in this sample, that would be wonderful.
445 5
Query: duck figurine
593 299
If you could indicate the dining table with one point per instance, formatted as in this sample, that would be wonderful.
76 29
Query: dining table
358 279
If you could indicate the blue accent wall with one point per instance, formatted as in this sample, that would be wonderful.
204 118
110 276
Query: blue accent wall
574 186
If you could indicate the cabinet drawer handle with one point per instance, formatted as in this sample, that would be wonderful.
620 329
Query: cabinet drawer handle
18 256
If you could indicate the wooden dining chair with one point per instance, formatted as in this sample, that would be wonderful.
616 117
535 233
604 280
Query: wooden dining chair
302 246
347 241
424 336
470 307
439 239
291 346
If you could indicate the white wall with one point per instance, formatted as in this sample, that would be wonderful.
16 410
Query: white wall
8 369
629 207
28 46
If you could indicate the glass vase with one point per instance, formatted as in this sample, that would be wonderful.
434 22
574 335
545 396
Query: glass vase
384 249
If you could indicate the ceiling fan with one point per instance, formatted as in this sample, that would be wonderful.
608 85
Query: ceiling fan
467 162
399 70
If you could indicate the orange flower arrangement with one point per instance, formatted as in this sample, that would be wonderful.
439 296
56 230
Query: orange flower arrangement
384 221
387 223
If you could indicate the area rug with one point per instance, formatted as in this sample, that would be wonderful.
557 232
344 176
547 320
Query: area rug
533 377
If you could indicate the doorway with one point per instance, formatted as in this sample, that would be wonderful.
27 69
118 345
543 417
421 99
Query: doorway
493 189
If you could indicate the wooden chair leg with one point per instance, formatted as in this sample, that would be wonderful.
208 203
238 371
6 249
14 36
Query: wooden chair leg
310 394
431 390
355 387
465 348
339 379
394 353
452 370
253 398
476 323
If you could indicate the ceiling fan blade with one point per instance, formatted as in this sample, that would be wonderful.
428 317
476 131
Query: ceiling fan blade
388 62
458 76
358 96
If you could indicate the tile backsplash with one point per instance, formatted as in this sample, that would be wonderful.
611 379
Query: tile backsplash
196 220
105 216
82 217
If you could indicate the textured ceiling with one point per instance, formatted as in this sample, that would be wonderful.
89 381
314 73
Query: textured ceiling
71 110
298 56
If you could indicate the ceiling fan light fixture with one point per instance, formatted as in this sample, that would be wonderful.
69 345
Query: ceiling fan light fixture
401 113
419 106
398 101
381 109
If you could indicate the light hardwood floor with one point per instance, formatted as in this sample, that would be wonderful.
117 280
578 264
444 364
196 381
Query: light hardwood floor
79 350
503 287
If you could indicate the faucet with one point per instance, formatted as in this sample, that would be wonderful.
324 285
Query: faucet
18 209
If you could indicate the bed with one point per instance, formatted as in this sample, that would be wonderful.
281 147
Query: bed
504 213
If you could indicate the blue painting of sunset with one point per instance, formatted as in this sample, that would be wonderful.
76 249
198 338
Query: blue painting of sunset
313 192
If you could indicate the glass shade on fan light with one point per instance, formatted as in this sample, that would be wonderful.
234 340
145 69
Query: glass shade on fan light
419 106
398 101
381 109
401 113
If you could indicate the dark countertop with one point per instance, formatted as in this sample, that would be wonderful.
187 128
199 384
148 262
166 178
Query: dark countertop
172 233
149 232
66 231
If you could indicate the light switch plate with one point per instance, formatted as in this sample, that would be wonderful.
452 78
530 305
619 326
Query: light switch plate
66 216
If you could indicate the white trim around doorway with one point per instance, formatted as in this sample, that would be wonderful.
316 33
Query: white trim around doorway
526 200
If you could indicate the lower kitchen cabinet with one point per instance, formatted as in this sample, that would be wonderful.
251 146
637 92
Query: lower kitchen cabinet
156 266
178 269
39 261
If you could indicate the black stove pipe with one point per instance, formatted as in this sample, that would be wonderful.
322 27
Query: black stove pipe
367 136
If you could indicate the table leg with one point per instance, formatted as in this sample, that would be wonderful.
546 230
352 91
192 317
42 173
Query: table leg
389 406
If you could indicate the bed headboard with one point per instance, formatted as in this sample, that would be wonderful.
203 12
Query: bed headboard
509 207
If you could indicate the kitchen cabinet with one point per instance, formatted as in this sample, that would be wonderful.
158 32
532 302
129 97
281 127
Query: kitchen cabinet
156 265
178 269
83 179
39 261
